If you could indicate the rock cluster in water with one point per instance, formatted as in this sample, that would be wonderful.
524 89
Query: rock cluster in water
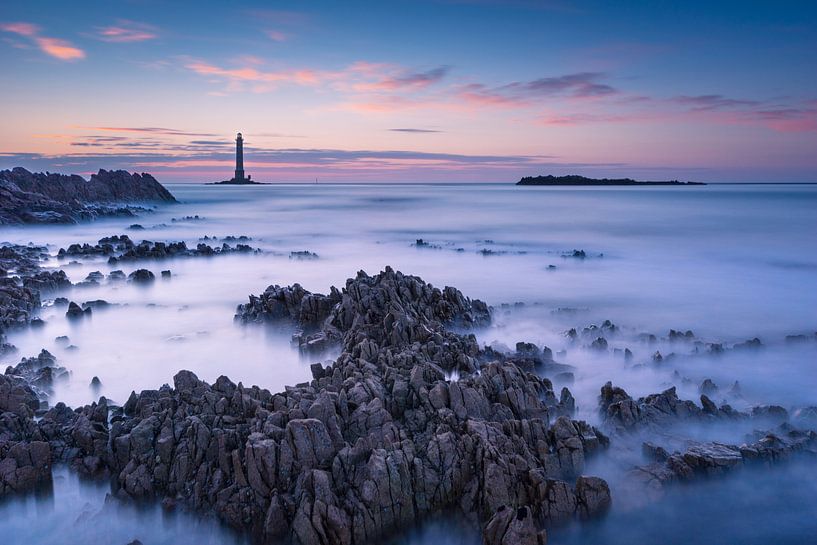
375 442
412 418
120 248
27 197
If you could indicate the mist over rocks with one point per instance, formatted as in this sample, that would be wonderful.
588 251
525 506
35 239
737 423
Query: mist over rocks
413 418
774 440
27 197
380 440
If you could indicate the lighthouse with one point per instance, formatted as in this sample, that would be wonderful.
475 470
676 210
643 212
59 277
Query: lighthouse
239 178
239 158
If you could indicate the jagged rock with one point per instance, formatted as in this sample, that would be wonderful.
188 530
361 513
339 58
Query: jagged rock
511 526
16 394
378 440
751 344
39 373
27 197
303 255
47 281
24 465
593 496
17 304
712 459
76 312
162 250
708 388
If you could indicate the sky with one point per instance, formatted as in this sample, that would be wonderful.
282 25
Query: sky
420 91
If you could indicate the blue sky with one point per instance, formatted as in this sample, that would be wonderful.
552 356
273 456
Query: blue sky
488 90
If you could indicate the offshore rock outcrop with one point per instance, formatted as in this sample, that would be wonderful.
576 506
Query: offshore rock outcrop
391 304
705 459
120 248
375 442
623 415
27 197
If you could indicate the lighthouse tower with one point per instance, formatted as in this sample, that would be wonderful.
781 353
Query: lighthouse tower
239 158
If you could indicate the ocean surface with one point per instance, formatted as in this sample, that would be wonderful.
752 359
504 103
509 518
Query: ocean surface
728 262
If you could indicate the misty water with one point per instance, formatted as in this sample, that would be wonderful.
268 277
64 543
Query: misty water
729 262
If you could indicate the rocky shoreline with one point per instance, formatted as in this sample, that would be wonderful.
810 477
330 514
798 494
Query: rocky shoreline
27 197
413 418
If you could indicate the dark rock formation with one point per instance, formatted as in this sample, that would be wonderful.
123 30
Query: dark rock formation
303 255
120 248
76 312
16 395
401 303
24 466
27 197
379 440
711 459
141 276
47 281
17 304
39 373
574 179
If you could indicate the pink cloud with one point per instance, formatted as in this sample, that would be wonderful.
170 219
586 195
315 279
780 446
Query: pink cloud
23 29
126 32
250 74
55 47
60 49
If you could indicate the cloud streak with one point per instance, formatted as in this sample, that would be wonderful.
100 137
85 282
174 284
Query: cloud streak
54 47
415 131
151 130
125 31
408 81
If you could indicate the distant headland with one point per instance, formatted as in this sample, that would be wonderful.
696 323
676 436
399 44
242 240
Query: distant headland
47 197
239 178
575 180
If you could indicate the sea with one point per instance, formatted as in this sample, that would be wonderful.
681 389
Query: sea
730 262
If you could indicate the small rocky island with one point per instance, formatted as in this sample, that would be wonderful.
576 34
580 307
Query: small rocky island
27 197
576 180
